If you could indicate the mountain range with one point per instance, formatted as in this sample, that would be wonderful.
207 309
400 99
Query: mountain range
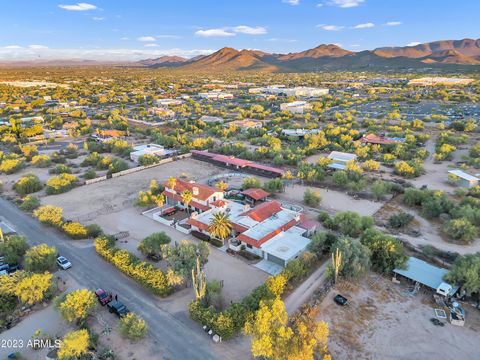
331 57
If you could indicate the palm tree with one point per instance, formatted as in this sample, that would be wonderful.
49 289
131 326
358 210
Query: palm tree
171 182
220 226
187 198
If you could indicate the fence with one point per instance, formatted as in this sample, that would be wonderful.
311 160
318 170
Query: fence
138 168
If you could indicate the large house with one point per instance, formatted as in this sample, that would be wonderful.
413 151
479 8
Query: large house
340 159
267 230
202 195
295 91
246 124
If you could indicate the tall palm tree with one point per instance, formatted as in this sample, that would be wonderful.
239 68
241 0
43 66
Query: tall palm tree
187 198
220 226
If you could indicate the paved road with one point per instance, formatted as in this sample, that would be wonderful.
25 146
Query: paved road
173 338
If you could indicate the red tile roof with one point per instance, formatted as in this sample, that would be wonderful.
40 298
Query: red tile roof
256 193
204 191
375 139
263 211
231 160
193 203
266 168
219 203
198 224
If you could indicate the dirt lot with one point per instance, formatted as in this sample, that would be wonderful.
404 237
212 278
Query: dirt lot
383 323
114 194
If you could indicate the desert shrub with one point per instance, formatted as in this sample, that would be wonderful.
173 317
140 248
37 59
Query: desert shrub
379 189
60 169
132 327
351 223
400 220
50 215
28 184
117 165
155 244
94 230
312 198
251 182
355 257
60 184
13 248
148 159
461 230
10 166
41 161
29 203
75 230
90 174
146 274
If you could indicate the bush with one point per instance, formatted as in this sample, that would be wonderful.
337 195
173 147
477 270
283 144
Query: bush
251 182
355 257
312 198
75 230
90 174
13 248
466 273
28 184
133 327
94 230
351 224
146 274
10 166
40 258
50 215
321 243
460 229
29 203
148 159
60 169
117 165
379 190
61 183
77 305
400 220
41 161
155 244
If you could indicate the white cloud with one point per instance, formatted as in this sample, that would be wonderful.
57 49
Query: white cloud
393 23
414 43
364 26
78 7
243 29
346 3
37 47
291 2
16 53
125 38
151 45
330 27
214 33
98 18
319 5
146 38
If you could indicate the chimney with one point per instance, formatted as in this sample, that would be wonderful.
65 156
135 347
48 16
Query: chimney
195 191
246 207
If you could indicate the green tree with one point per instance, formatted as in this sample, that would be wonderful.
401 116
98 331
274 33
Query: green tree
352 224
379 190
182 257
312 198
355 258
387 253
460 229
466 273
155 244
13 248
251 182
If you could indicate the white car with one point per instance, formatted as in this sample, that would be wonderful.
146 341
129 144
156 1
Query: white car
64 263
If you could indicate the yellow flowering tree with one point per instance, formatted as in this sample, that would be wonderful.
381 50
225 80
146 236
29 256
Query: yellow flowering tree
74 345
77 305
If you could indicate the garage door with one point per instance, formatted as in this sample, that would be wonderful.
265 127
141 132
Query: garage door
275 260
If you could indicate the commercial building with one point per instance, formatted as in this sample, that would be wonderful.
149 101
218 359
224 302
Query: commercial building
432 81
296 107
168 102
464 179
267 230
215 95
300 91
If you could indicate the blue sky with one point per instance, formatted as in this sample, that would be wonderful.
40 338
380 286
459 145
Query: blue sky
129 29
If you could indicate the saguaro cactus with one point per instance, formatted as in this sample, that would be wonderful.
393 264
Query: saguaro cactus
199 281
336 263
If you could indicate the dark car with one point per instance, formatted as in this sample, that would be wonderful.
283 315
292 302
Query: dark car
340 300
103 297
437 322
117 308
13 267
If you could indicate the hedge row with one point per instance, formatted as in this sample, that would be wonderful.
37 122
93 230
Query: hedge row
149 276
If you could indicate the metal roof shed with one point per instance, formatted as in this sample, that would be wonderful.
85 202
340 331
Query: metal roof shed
428 275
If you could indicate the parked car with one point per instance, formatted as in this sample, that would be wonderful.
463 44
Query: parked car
13 267
63 263
4 267
437 322
103 297
340 300
117 308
